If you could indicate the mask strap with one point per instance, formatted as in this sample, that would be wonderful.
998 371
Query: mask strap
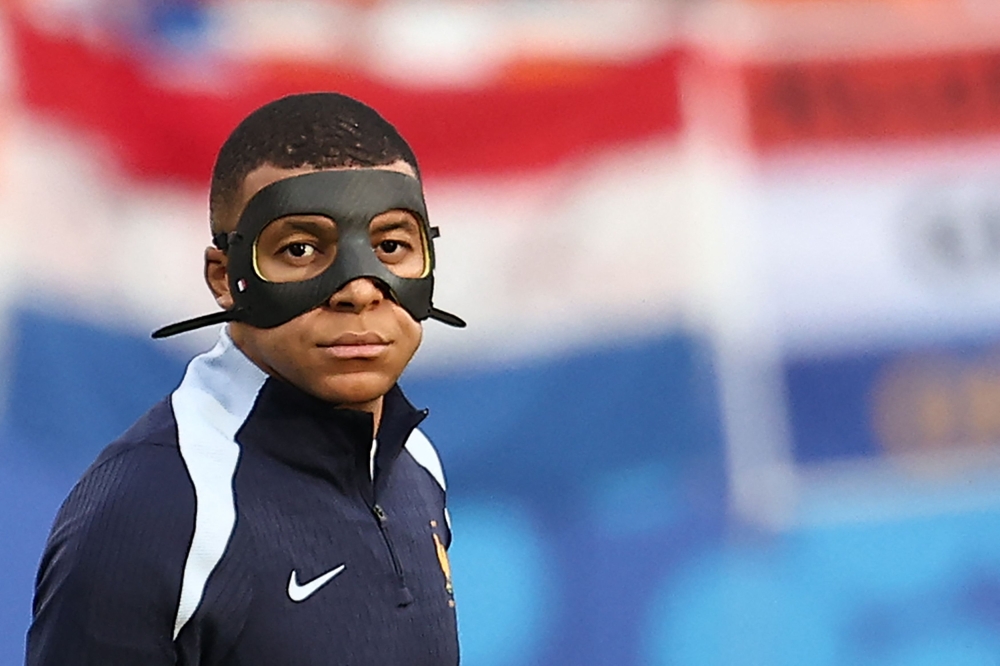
197 322
446 318
224 239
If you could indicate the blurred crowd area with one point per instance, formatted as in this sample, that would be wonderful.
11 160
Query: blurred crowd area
453 36
453 33
730 390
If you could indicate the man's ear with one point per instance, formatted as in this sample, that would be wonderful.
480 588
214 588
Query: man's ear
217 276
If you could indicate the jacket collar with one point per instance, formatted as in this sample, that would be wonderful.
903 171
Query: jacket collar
313 435
297 428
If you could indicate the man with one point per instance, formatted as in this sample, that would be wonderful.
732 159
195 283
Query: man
281 506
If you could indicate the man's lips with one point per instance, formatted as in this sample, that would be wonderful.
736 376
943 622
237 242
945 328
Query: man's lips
356 345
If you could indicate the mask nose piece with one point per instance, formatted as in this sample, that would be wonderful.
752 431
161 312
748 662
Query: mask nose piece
347 294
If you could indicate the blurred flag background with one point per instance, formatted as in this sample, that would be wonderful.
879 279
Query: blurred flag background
730 391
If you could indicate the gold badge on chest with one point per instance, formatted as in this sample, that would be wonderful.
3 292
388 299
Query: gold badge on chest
442 555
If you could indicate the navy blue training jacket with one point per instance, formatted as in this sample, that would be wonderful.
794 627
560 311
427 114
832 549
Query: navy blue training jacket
237 523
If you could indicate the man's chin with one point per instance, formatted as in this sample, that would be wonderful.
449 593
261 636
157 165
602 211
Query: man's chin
355 389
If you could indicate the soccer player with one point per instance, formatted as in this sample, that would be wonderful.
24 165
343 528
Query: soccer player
281 506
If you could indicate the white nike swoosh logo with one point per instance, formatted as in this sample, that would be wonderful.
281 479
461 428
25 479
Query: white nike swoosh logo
298 592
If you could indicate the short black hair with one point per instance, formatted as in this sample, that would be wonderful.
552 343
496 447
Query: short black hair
319 129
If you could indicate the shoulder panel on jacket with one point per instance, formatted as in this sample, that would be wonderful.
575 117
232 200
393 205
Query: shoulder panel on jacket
215 397
426 455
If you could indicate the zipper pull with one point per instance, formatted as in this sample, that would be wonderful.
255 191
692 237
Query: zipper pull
380 514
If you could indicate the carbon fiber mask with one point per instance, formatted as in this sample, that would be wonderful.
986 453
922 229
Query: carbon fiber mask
302 239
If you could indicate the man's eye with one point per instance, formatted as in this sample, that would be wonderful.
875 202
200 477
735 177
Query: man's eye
300 250
390 246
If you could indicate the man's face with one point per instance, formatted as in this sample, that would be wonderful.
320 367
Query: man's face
348 351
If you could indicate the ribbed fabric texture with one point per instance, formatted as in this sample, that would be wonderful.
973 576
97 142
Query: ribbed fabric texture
109 578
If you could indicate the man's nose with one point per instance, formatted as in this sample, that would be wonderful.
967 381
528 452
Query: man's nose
357 295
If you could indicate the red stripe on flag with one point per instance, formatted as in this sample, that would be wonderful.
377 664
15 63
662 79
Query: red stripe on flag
533 117
908 96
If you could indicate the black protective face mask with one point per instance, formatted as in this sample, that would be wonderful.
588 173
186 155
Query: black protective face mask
364 223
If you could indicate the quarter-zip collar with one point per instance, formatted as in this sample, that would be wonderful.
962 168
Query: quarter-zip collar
296 427
316 436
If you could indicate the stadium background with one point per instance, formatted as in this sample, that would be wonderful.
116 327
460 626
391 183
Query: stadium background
730 392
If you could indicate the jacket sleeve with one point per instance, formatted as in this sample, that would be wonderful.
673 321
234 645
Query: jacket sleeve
109 581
